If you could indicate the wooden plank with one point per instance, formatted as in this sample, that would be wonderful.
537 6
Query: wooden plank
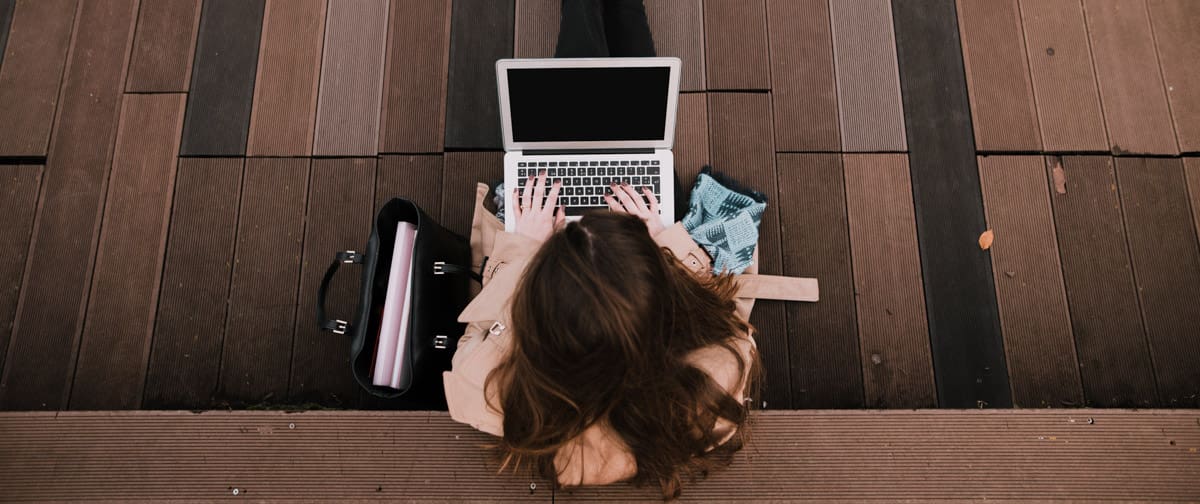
460 173
351 79
743 147
890 301
164 46
35 56
804 93
1191 167
735 45
960 293
339 218
1178 44
1064 81
285 91
41 355
1002 107
868 85
115 346
678 30
185 357
1029 283
413 118
6 13
1136 112
18 204
535 28
826 367
417 178
691 139
222 88
256 352
1166 267
481 32
1114 362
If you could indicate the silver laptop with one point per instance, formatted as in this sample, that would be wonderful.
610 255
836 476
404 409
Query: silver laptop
589 122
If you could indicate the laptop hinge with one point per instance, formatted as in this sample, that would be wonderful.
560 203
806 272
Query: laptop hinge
576 152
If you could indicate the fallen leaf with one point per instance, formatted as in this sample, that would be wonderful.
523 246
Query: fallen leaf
1060 179
985 240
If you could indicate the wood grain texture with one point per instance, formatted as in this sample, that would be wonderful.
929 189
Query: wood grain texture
348 106
890 300
868 82
804 92
735 45
34 58
339 218
164 46
115 346
460 172
41 355
960 293
283 114
417 178
678 30
413 118
1191 168
691 138
481 32
1002 109
535 28
185 356
256 353
826 367
743 147
1029 283
1114 361
1063 78
18 204
1178 44
221 94
1166 267
6 13
1136 112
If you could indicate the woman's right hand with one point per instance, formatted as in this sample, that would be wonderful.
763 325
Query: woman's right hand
537 216
625 198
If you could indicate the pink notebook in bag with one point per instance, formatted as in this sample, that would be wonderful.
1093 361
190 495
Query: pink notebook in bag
393 327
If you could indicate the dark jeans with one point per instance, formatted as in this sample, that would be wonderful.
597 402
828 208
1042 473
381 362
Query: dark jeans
603 28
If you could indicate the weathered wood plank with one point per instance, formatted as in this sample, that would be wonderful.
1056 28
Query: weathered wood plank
1002 107
34 58
678 30
535 28
164 46
1191 167
351 79
18 204
222 88
6 13
417 178
691 139
804 92
735 45
115 346
460 173
1178 44
285 88
413 118
481 32
868 82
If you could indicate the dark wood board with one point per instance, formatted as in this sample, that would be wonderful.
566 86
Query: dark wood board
1136 112
115 346
413 118
460 172
339 218
417 178
691 139
348 106
6 13
18 204
34 58
1166 267
185 356
1029 283
481 32
826 367
536 27
743 147
1002 108
1191 168
164 46
893 330
284 109
870 110
1114 360
256 354
1178 44
1064 81
222 87
960 293
804 91
41 354
735 45
678 30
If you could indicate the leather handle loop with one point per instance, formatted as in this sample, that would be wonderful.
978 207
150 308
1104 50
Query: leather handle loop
336 326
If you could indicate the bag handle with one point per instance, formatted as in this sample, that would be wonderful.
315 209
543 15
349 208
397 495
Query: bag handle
337 326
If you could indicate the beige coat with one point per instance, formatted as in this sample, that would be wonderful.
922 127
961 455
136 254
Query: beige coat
598 456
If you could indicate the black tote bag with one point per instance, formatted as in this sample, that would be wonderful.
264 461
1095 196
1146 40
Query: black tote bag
440 290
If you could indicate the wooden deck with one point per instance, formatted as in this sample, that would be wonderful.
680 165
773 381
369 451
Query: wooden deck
177 175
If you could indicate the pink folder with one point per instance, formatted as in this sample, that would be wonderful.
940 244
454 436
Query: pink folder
394 324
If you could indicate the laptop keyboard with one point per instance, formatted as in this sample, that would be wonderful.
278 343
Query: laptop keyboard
585 182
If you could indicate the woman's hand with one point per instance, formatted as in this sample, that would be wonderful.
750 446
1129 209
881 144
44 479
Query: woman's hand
537 216
626 199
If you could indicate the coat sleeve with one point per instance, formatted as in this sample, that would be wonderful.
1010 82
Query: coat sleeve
694 258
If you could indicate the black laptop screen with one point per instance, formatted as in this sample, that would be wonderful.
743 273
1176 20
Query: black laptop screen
588 104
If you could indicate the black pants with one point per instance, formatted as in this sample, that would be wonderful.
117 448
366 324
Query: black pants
603 28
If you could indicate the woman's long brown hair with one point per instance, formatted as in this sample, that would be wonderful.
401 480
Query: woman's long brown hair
603 320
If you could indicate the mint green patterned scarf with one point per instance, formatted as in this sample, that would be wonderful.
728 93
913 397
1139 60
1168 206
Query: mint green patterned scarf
723 218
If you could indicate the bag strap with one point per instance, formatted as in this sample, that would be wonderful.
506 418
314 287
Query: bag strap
337 326
441 268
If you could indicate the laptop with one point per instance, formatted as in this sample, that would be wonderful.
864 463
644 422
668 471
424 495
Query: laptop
589 122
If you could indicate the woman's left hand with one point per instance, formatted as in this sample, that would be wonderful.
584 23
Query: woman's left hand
538 217
625 198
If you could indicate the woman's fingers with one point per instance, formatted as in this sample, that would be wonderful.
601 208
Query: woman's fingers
552 199
637 200
560 217
526 195
653 200
627 201
539 192
517 203
612 203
